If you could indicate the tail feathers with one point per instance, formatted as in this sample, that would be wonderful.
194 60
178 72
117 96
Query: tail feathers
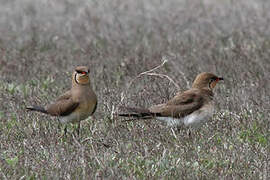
37 108
137 113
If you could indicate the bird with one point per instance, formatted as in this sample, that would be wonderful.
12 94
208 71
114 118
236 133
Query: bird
190 108
76 104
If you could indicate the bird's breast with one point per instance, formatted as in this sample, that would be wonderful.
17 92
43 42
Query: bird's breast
86 108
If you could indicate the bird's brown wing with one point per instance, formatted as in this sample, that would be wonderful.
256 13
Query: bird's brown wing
66 95
63 106
181 105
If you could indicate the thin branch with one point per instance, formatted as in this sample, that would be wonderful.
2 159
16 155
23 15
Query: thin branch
143 73
151 73
162 76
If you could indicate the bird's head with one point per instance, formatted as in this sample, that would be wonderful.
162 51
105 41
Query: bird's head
206 80
81 75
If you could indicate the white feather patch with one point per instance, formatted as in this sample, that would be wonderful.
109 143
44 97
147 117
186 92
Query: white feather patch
194 119
70 118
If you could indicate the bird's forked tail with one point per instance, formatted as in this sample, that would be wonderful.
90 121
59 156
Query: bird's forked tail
37 108
137 113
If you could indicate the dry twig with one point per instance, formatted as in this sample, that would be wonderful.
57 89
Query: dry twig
151 73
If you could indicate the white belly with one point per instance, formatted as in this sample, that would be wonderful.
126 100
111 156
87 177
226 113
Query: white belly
72 118
194 119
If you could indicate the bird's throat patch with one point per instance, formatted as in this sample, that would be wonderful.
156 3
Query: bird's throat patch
81 79
213 84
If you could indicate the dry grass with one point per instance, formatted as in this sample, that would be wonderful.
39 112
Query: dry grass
41 43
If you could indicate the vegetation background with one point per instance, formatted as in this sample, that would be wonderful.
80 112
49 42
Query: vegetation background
42 41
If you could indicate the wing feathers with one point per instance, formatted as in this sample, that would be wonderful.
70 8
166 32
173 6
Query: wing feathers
62 108
180 106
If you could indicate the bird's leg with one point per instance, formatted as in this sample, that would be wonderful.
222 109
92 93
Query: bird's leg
65 130
78 129
189 132
178 129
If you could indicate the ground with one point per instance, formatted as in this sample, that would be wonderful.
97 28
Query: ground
41 42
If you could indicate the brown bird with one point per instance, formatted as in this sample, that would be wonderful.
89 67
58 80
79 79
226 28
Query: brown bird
189 108
76 104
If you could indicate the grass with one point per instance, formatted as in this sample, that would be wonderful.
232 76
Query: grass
118 40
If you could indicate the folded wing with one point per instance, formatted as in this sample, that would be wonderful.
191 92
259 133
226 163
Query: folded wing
63 106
